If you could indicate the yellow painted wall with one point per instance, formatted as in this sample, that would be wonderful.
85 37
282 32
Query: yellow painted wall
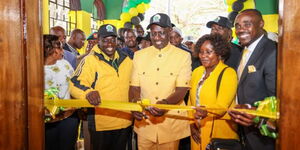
271 22
83 22
247 5
45 10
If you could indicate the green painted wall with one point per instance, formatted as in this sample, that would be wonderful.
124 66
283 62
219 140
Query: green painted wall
87 5
113 8
267 6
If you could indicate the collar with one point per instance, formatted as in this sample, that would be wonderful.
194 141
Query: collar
165 49
252 46
73 50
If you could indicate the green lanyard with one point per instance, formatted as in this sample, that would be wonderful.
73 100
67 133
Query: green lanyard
115 64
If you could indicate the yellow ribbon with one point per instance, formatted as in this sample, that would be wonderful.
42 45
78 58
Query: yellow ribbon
128 106
259 113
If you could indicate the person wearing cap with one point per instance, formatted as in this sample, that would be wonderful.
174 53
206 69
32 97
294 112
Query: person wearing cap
92 41
144 42
158 76
105 74
176 39
190 43
222 25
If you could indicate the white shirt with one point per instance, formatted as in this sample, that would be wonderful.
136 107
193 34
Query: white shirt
58 76
251 48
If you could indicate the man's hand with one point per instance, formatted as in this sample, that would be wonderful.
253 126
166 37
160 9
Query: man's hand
195 131
200 113
242 118
156 111
94 98
138 115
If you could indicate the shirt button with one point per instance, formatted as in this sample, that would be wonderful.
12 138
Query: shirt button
171 74
143 72
159 55
156 83
157 69
156 98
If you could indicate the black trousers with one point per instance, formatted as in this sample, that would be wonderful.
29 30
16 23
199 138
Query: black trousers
110 140
62 135
253 140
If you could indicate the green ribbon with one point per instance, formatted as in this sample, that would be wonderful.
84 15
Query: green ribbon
51 94
269 104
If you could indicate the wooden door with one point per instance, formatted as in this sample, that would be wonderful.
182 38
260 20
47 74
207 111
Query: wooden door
288 86
21 75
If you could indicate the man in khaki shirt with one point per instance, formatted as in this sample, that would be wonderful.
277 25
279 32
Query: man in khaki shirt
161 73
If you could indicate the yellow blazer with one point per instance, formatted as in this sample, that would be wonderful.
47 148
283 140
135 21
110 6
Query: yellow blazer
223 126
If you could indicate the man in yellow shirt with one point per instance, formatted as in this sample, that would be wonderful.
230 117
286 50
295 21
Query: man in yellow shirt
105 72
161 73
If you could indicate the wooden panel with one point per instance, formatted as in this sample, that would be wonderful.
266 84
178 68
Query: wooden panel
13 116
21 125
35 74
289 74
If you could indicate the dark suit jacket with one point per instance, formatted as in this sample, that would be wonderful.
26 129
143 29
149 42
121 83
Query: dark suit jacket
255 85
234 56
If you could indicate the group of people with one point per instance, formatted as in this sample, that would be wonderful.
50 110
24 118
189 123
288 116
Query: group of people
217 75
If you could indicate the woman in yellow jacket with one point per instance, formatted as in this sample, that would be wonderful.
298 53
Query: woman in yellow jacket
212 50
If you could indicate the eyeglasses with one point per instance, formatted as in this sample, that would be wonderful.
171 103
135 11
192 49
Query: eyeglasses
160 33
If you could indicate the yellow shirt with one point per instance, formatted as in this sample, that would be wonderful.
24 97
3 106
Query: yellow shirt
223 126
94 73
158 73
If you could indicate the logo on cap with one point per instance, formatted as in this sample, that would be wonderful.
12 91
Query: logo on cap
156 18
95 35
217 19
109 28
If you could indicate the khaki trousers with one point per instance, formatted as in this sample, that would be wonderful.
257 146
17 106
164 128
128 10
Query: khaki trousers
145 144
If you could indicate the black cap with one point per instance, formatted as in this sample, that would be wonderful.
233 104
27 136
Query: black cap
160 19
221 21
107 30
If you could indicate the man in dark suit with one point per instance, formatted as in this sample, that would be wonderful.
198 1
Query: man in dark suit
257 75
222 25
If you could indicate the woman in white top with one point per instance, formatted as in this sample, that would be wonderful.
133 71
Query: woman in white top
60 134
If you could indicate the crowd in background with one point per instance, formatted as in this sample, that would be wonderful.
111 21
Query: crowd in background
161 65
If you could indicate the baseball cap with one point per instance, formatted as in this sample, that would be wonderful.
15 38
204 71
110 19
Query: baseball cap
189 38
160 19
107 30
93 36
221 21
177 30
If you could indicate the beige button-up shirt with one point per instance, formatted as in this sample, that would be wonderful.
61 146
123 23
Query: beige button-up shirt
158 73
